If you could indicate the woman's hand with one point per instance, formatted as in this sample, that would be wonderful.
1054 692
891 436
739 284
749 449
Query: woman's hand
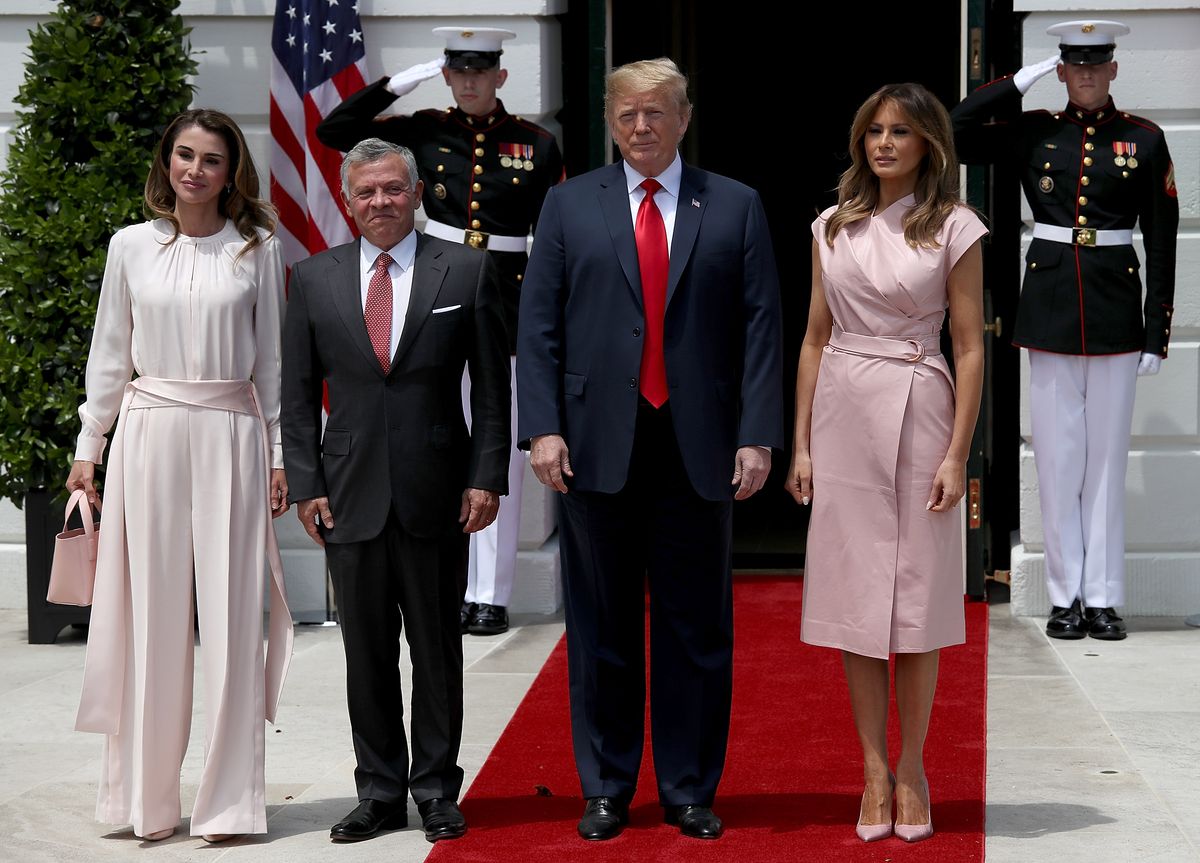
948 486
83 474
279 490
799 480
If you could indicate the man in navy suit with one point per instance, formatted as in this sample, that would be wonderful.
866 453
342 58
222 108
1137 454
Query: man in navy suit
650 393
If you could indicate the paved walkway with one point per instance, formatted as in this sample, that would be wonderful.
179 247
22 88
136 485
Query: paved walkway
1094 749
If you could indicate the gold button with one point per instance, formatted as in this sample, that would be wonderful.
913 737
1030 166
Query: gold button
1082 220
475 187
1131 269
441 167
520 277
516 181
1089 146
1087 160
479 137
1046 166
479 169
1083 200
479 151
474 205
475 223
1084 180
1091 130
1125 174
1033 266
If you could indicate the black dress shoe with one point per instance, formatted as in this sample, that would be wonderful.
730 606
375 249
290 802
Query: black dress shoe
464 616
1066 622
368 818
442 819
488 620
1104 624
603 818
699 822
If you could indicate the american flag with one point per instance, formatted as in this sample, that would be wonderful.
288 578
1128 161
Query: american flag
319 60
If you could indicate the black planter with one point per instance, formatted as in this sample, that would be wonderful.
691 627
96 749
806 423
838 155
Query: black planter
43 520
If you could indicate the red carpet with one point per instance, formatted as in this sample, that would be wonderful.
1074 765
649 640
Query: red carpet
793 775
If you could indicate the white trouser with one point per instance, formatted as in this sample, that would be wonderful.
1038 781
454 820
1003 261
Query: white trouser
194 483
492 565
1082 409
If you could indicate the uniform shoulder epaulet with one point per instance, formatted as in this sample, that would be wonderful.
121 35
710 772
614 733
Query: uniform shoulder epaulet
525 124
1140 121
434 113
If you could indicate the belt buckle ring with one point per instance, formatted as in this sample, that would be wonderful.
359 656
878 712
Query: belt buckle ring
476 239
1084 236
919 351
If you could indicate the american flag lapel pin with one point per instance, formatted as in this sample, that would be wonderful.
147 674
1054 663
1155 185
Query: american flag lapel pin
695 203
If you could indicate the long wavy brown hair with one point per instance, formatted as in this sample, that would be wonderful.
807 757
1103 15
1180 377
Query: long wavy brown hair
937 177
238 201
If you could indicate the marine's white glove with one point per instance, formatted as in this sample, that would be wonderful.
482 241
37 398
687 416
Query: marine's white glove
1149 364
1026 75
403 83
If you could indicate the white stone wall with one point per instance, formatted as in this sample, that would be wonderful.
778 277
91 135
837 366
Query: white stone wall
1158 78
233 41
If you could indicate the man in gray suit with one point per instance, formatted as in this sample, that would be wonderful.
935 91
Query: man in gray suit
396 482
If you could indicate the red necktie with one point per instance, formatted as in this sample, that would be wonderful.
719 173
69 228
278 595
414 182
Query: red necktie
653 263
378 311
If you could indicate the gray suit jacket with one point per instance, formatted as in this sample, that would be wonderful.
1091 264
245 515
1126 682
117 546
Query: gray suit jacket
397 439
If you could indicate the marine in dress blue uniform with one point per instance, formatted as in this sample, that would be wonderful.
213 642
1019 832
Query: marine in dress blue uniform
1090 174
486 173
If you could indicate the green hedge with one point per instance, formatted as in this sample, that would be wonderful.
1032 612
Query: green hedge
103 78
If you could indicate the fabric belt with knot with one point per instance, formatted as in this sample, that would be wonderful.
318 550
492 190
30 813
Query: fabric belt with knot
476 239
912 349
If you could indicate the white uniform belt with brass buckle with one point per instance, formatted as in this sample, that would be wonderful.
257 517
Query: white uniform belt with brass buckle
1083 236
476 239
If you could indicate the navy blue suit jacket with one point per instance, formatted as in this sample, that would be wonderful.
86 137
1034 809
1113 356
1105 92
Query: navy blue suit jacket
580 331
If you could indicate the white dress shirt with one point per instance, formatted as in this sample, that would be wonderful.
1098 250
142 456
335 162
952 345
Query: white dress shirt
666 199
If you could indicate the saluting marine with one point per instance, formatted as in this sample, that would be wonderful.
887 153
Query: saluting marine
1090 173
486 174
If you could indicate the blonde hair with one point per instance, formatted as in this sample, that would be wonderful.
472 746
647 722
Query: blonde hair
644 76
238 201
937 177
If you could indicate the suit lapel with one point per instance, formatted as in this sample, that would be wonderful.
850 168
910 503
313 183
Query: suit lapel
689 212
347 299
614 203
429 270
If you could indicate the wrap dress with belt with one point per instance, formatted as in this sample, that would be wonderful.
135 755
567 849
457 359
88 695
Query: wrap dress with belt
186 502
883 574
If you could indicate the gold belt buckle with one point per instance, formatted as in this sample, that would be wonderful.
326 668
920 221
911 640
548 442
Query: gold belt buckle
477 239
1083 236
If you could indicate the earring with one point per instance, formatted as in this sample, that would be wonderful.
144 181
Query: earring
228 187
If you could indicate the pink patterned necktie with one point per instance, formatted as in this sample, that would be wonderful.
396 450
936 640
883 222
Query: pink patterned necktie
378 311
653 263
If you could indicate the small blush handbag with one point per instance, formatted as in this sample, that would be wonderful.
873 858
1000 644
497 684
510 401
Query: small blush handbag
73 572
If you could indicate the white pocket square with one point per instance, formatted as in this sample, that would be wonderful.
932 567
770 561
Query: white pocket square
445 309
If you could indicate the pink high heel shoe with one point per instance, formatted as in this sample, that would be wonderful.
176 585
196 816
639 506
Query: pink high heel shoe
917 832
874 832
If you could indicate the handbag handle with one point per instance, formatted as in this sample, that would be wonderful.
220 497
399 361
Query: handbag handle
79 499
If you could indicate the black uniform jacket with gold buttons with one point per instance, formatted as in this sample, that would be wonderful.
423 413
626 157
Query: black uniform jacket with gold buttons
467 185
1102 170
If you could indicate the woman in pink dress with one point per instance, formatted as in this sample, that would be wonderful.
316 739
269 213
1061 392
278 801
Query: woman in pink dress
185 362
883 431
